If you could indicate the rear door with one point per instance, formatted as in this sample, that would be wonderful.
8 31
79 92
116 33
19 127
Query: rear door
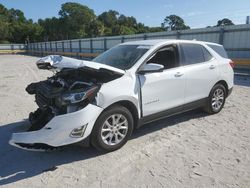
201 71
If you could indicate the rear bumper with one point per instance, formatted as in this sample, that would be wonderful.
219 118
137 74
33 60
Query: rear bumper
57 132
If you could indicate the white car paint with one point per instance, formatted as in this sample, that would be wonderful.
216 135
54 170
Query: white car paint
200 78
162 91
158 91
57 131
58 62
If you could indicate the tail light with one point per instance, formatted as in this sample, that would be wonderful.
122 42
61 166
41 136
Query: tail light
232 64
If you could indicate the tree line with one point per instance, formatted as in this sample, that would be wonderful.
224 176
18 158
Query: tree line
78 21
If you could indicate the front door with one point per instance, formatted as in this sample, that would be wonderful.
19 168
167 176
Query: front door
164 90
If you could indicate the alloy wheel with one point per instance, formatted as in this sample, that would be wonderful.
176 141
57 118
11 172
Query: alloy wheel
218 99
114 129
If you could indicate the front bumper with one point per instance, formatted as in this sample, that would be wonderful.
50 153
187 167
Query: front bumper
57 131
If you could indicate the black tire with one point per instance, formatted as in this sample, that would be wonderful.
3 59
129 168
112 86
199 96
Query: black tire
210 108
96 135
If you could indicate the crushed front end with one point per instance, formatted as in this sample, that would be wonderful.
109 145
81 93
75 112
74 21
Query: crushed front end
67 110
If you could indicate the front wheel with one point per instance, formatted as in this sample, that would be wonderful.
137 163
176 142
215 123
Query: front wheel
216 99
112 129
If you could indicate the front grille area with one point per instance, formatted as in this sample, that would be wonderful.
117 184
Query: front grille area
40 118
41 100
46 94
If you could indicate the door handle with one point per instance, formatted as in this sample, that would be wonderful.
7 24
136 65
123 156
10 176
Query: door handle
212 67
178 74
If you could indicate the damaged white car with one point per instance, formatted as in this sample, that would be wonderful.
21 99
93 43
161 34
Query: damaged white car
104 100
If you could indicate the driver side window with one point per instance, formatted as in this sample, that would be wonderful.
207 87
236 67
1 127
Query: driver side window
166 56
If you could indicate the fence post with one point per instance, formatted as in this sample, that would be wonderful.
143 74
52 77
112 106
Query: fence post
12 47
50 45
26 47
63 46
37 49
145 37
178 34
91 45
80 46
41 45
56 45
45 43
70 45
122 40
30 48
105 44
221 36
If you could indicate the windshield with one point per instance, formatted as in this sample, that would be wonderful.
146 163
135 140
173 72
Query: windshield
122 56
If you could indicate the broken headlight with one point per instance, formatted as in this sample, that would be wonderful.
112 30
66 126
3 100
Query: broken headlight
73 97
77 96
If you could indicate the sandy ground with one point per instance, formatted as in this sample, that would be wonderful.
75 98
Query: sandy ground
188 150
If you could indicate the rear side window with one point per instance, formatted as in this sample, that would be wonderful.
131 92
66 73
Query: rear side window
194 53
219 49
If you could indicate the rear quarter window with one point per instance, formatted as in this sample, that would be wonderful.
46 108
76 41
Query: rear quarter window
207 55
219 50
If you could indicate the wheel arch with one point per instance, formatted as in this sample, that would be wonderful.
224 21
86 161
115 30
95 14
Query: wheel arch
224 83
131 107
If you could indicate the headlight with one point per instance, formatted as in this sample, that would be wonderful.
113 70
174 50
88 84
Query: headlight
74 97
79 96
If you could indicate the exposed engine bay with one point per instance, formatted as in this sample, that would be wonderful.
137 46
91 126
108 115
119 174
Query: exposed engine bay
70 89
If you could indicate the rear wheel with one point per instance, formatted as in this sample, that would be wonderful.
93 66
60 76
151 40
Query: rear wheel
112 129
216 99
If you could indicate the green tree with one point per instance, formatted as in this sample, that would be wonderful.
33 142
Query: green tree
4 30
95 28
109 19
25 31
14 27
224 21
4 25
174 22
16 16
155 29
127 21
76 19
141 28
52 29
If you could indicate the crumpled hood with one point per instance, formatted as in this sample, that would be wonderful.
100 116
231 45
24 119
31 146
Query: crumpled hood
58 62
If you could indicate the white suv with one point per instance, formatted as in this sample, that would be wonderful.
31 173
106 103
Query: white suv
104 100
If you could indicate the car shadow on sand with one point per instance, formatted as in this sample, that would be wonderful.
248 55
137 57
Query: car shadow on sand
17 164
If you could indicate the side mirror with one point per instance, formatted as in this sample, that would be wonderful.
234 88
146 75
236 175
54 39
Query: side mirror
150 68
